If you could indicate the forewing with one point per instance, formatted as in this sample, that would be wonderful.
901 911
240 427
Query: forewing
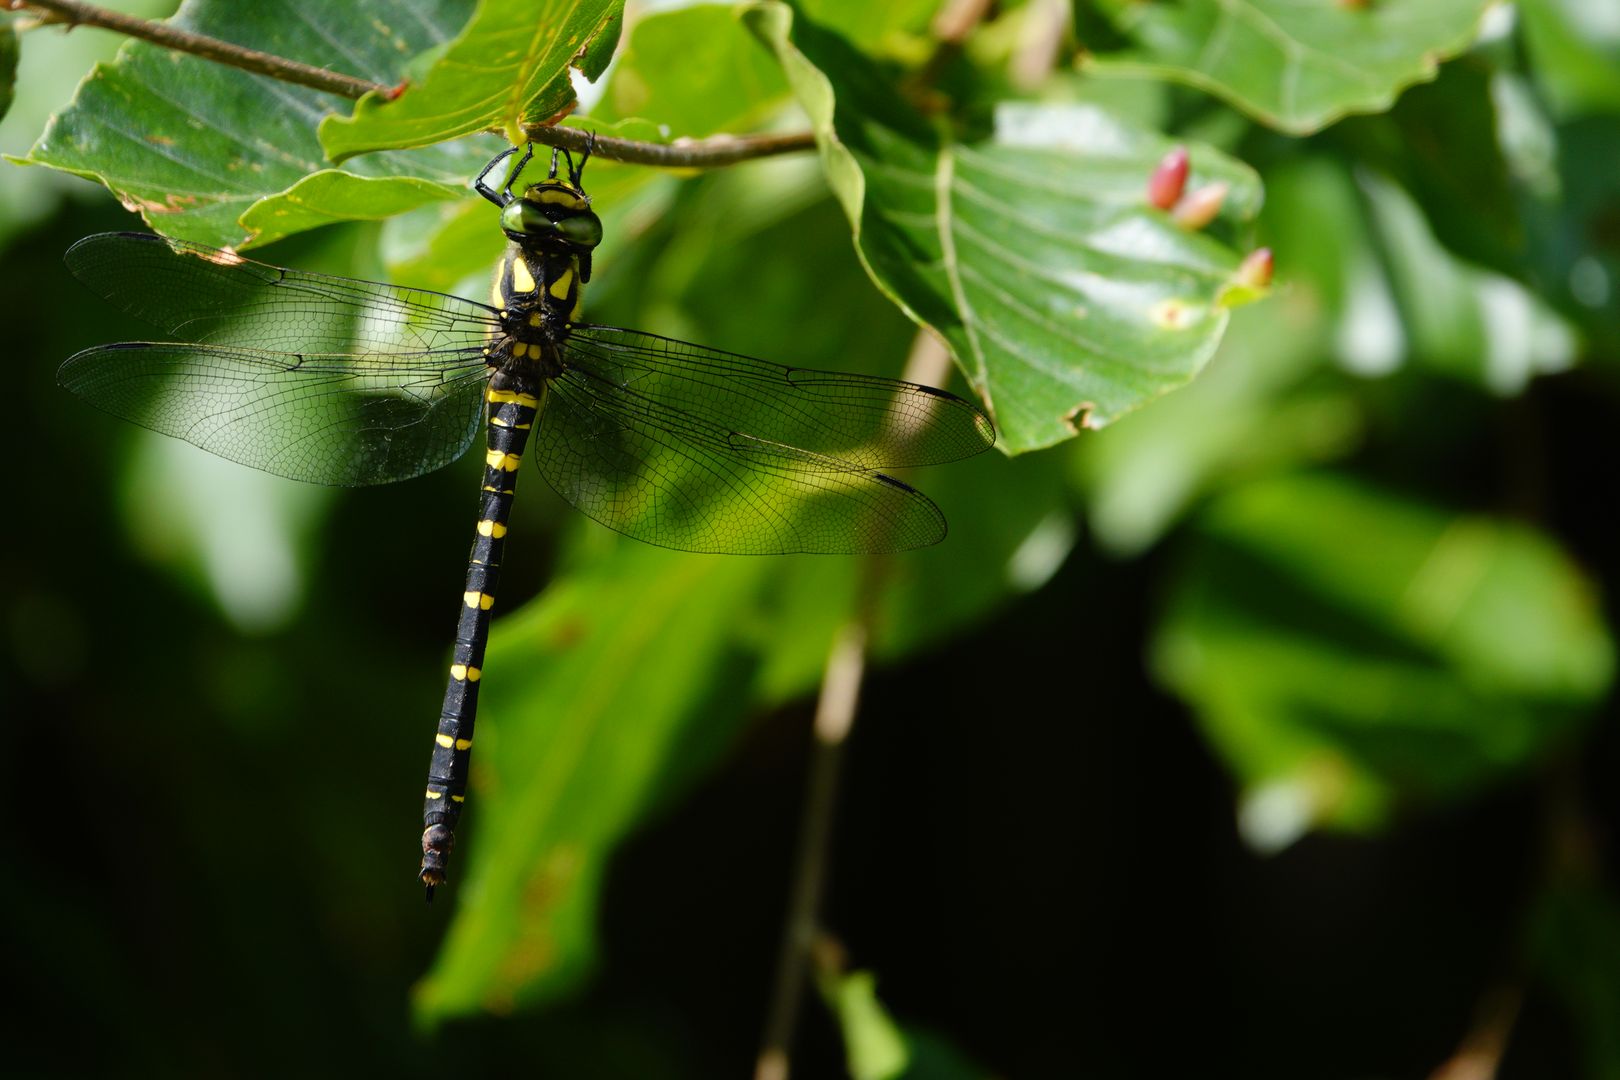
863 420
217 297
324 418
671 478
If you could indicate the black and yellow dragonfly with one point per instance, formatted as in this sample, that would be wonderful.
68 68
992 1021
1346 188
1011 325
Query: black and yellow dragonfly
334 380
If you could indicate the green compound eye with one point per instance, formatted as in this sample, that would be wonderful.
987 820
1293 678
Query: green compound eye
521 216
583 229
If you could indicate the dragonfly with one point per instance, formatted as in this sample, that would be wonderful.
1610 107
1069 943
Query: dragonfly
340 381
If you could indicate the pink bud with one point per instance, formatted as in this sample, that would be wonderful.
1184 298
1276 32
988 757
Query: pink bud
1199 207
1255 270
1169 179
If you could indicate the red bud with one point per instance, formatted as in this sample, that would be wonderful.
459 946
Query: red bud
1169 179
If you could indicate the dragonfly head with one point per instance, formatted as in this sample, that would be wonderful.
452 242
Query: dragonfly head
552 213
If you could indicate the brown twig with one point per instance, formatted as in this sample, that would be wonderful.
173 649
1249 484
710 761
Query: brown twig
75 13
1480 1055
835 715
706 153
709 153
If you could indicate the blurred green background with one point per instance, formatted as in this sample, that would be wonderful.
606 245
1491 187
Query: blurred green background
1270 731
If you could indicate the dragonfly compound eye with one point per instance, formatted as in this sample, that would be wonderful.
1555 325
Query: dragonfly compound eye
521 218
583 229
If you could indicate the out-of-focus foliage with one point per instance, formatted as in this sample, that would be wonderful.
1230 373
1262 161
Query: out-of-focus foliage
1297 67
8 63
1420 660
1284 704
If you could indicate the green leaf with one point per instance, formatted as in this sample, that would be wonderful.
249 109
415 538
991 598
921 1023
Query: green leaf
509 67
868 25
1344 647
590 692
332 195
685 73
213 154
1575 54
1297 67
1065 298
1457 318
874 1048
8 62
692 72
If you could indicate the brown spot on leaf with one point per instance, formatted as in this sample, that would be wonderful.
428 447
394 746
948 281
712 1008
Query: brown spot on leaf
172 204
1174 314
1079 417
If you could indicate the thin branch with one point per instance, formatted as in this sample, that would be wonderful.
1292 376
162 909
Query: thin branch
75 13
717 150
835 714
709 153
1480 1055
929 363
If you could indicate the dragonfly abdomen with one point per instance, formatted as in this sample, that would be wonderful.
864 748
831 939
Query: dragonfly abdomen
511 418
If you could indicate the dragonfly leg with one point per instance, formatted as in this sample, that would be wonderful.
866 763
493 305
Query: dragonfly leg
504 196
576 174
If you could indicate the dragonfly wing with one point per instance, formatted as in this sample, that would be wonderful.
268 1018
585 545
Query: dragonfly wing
650 471
869 422
217 297
339 419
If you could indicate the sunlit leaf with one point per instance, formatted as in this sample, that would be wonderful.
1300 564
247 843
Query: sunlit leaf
1065 298
198 148
868 25
1297 67
1344 647
509 67
686 73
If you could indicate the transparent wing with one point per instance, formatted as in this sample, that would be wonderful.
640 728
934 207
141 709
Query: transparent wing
217 297
327 418
864 421
645 467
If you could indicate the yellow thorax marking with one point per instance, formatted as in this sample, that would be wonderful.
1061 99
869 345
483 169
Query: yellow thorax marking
536 319
522 280
560 287
491 528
